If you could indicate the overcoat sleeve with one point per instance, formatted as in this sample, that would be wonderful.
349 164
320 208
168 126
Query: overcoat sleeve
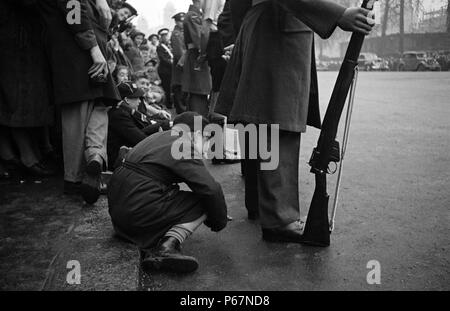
197 177
225 25
193 24
177 43
83 31
321 16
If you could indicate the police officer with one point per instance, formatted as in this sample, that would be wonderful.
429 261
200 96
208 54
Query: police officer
165 56
178 50
196 73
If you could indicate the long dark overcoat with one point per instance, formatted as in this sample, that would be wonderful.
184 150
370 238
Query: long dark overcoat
196 75
25 87
178 49
69 54
271 77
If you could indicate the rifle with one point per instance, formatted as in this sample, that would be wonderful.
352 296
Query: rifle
318 227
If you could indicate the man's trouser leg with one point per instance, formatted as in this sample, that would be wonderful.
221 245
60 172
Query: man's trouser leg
198 103
278 196
84 133
97 133
179 99
249 166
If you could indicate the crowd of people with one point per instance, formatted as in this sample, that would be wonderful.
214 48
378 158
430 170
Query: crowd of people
79 82
74 93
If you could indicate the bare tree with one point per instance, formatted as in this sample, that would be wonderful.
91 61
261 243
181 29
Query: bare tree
385 18
448 16
402 26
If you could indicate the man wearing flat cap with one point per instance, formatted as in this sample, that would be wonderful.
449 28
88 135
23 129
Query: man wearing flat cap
146 204
165 56
178 50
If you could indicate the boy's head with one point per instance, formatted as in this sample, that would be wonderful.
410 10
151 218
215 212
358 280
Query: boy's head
137 37
130 93
126 11
154 39
142 81
145 52
122 74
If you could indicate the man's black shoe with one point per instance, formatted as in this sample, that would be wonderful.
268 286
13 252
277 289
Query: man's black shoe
39 170
168 257
91 184
94 167
282 235
90 188
71 188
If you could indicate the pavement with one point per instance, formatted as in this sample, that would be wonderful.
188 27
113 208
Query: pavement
394 208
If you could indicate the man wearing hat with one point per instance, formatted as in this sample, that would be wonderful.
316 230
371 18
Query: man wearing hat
146 204
154 42
165 63
128 122
178 50
196 74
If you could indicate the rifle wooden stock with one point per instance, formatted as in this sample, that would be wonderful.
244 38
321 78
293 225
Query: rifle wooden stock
317 230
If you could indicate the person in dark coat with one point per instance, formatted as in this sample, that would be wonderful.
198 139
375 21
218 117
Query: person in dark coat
165 56
148 208
196 73
276 84
178 50
83 87
128 122
26 101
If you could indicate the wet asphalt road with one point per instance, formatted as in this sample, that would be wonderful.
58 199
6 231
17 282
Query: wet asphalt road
394 209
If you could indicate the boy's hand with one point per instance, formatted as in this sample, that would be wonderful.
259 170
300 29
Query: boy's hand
355 20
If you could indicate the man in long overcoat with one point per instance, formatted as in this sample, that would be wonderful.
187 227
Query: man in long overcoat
196 73
178 49
82 86
276 83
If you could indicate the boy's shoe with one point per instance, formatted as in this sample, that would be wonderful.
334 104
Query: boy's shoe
168 257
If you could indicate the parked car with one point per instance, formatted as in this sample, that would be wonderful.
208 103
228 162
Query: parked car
370 61
366 61
380 64
418 61
443 59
